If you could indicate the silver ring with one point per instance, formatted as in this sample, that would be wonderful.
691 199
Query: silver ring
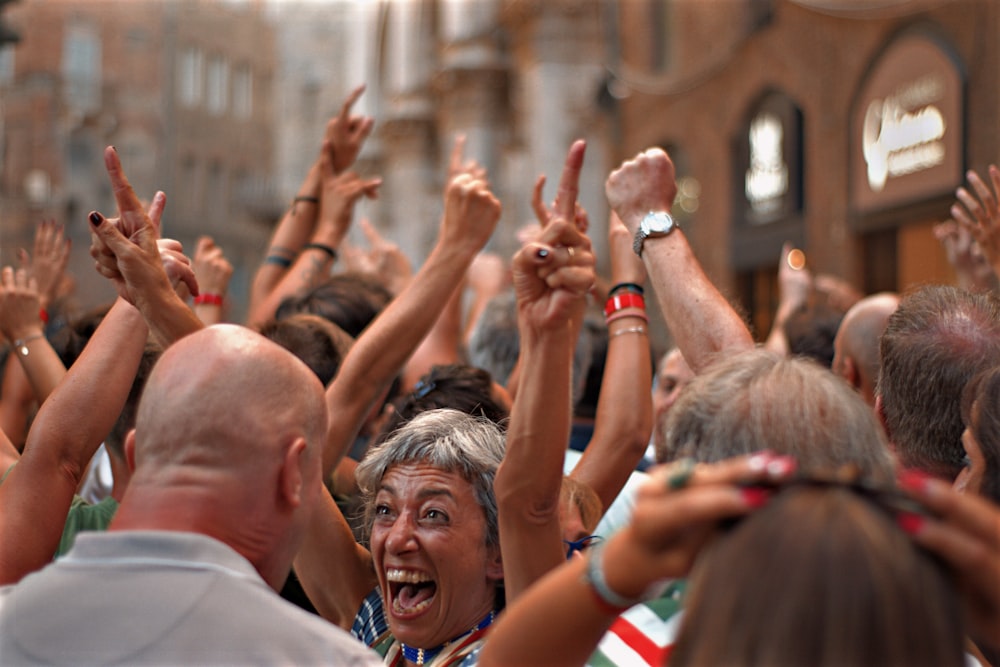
571 251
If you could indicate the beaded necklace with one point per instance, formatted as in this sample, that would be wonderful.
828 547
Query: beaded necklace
421 656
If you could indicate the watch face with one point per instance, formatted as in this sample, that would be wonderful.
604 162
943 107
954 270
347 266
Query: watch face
657 223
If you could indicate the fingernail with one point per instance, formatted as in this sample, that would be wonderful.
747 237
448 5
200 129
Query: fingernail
780 466
542 253
910 522
758 462
755 496
95 219
114 149
913 479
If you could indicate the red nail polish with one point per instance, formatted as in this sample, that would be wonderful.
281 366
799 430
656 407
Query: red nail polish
755 496
910 522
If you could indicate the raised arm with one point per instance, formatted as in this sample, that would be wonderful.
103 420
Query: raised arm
21 323
701 320
794 284
624 418
552 276
342 141
471 213
66 432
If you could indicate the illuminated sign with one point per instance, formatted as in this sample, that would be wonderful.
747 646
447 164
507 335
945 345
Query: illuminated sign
904 133
907 127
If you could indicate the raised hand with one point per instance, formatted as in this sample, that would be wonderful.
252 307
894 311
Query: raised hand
125 248
19 304
47 263
643 184
339 193
553 273
979 215
346 134
471 213
211 268
383 258
459 165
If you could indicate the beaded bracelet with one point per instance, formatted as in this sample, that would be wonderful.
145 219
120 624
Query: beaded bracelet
618 302
329 250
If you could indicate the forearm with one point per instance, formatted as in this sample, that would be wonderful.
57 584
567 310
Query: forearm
41 365
292 233
309 269
526 635
168 318
441 344
335 571
701 321
624 417
16 402
528 480
378 355
69 428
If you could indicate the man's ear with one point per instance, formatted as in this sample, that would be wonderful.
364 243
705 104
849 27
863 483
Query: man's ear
291 479
851 374
129 448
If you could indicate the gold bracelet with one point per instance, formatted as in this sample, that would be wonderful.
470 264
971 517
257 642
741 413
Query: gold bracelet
622 332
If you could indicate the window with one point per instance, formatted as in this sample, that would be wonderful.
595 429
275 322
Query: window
243 92
217 92
189 77
81 68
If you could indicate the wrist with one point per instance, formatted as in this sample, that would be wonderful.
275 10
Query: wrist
24 332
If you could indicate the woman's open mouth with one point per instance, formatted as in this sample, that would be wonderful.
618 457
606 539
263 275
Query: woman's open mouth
411 592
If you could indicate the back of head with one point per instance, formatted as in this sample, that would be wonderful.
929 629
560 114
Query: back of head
457 386
349 300
318 342
449 440
860 332
819 576
225 402
810 331
933 344
757 400
495 342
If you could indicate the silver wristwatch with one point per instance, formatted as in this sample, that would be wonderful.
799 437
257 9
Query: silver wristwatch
654 224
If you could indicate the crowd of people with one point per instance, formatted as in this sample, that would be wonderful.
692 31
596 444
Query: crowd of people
479 462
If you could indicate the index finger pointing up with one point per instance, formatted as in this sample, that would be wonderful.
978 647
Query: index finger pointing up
345 111
129 206
569 182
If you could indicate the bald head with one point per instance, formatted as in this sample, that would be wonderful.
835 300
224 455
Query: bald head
856 347
226 398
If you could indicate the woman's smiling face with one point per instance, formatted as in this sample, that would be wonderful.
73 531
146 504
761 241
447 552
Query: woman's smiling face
428 541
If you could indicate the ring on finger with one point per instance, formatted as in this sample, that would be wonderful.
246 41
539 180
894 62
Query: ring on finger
679 473
571 250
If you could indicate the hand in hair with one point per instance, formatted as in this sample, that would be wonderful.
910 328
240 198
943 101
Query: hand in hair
966 535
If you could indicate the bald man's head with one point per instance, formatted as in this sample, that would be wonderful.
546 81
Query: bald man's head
226 398
856 347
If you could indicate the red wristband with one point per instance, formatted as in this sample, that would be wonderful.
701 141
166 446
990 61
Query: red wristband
618 302
43 316
208 299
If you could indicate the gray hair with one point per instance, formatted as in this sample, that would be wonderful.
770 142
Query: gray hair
448 440
757 400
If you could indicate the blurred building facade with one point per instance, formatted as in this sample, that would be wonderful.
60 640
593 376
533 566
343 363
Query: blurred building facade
182 89
843 126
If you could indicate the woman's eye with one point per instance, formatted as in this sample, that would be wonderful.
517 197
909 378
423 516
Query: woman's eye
436 515
381 510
